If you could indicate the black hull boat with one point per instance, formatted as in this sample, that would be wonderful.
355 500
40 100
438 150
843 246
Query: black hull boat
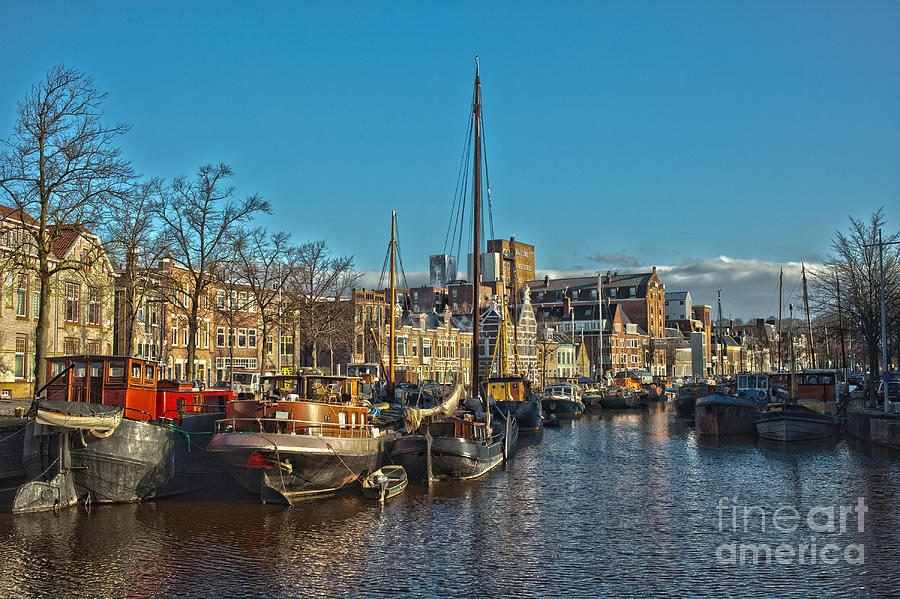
795 423
686 400
284 450
284 468
723 415
136 461
526 413
460 446
563 409
452 457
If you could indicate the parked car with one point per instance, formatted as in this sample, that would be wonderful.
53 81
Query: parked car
893 390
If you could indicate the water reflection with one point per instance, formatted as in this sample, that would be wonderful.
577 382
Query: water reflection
616 504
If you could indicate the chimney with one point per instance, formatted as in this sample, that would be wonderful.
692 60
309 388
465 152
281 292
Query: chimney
546 280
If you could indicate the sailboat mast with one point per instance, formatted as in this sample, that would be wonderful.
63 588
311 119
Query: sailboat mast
812 347
721 340
778 339
393 302
600 317
841 326
793 369
476 236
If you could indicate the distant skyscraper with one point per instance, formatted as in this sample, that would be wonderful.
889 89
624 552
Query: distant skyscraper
441 270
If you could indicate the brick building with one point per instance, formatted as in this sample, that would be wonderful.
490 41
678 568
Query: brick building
80 318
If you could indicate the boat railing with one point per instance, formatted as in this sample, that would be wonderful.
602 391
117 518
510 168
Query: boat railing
191 408
293 427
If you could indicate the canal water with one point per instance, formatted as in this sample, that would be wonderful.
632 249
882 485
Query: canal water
615 505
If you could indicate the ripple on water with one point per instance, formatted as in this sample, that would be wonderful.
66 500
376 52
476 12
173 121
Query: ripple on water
614 505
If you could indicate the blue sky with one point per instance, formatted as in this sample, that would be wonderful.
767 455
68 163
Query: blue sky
620 135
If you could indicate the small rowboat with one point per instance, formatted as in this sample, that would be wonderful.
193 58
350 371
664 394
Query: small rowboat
384 483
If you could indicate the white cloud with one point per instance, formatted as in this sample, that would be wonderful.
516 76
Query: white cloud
749 286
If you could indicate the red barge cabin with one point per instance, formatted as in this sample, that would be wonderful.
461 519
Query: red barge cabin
131 383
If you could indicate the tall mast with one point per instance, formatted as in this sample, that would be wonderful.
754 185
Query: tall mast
476 238
600 316
778 339
393 301
515 302
841 326
793 370
812 347
721 340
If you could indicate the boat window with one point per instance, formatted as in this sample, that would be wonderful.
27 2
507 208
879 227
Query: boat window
827 379
96 369
80 370
149 373
342 417
116 369
135 370
57 368
742 381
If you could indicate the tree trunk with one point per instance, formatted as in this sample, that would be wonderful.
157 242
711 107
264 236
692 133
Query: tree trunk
192 334
42 330
874 375
315 354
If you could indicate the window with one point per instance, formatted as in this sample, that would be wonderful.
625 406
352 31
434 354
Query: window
251 338
135 370
149 372
70 347
287 345
242 301
92 348
93 307
242 337
21 344
205 334
401 346
230 337
184 336
220 337
72 292
220 299
21 295
36 300
270 340
359 314
414 347
174 332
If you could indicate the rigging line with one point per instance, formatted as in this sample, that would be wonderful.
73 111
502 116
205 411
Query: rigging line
462 174
463 204
487 177
461 200
384 267
400 254
459 175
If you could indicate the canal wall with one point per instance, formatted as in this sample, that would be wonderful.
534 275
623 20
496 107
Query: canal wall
883 429
12 436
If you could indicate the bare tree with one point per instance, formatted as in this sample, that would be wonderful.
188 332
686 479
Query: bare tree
854 265
267 261
234 305
199 216
319 283
133 241
59 171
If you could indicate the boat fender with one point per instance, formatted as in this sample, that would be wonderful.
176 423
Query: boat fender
761 395
101 433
